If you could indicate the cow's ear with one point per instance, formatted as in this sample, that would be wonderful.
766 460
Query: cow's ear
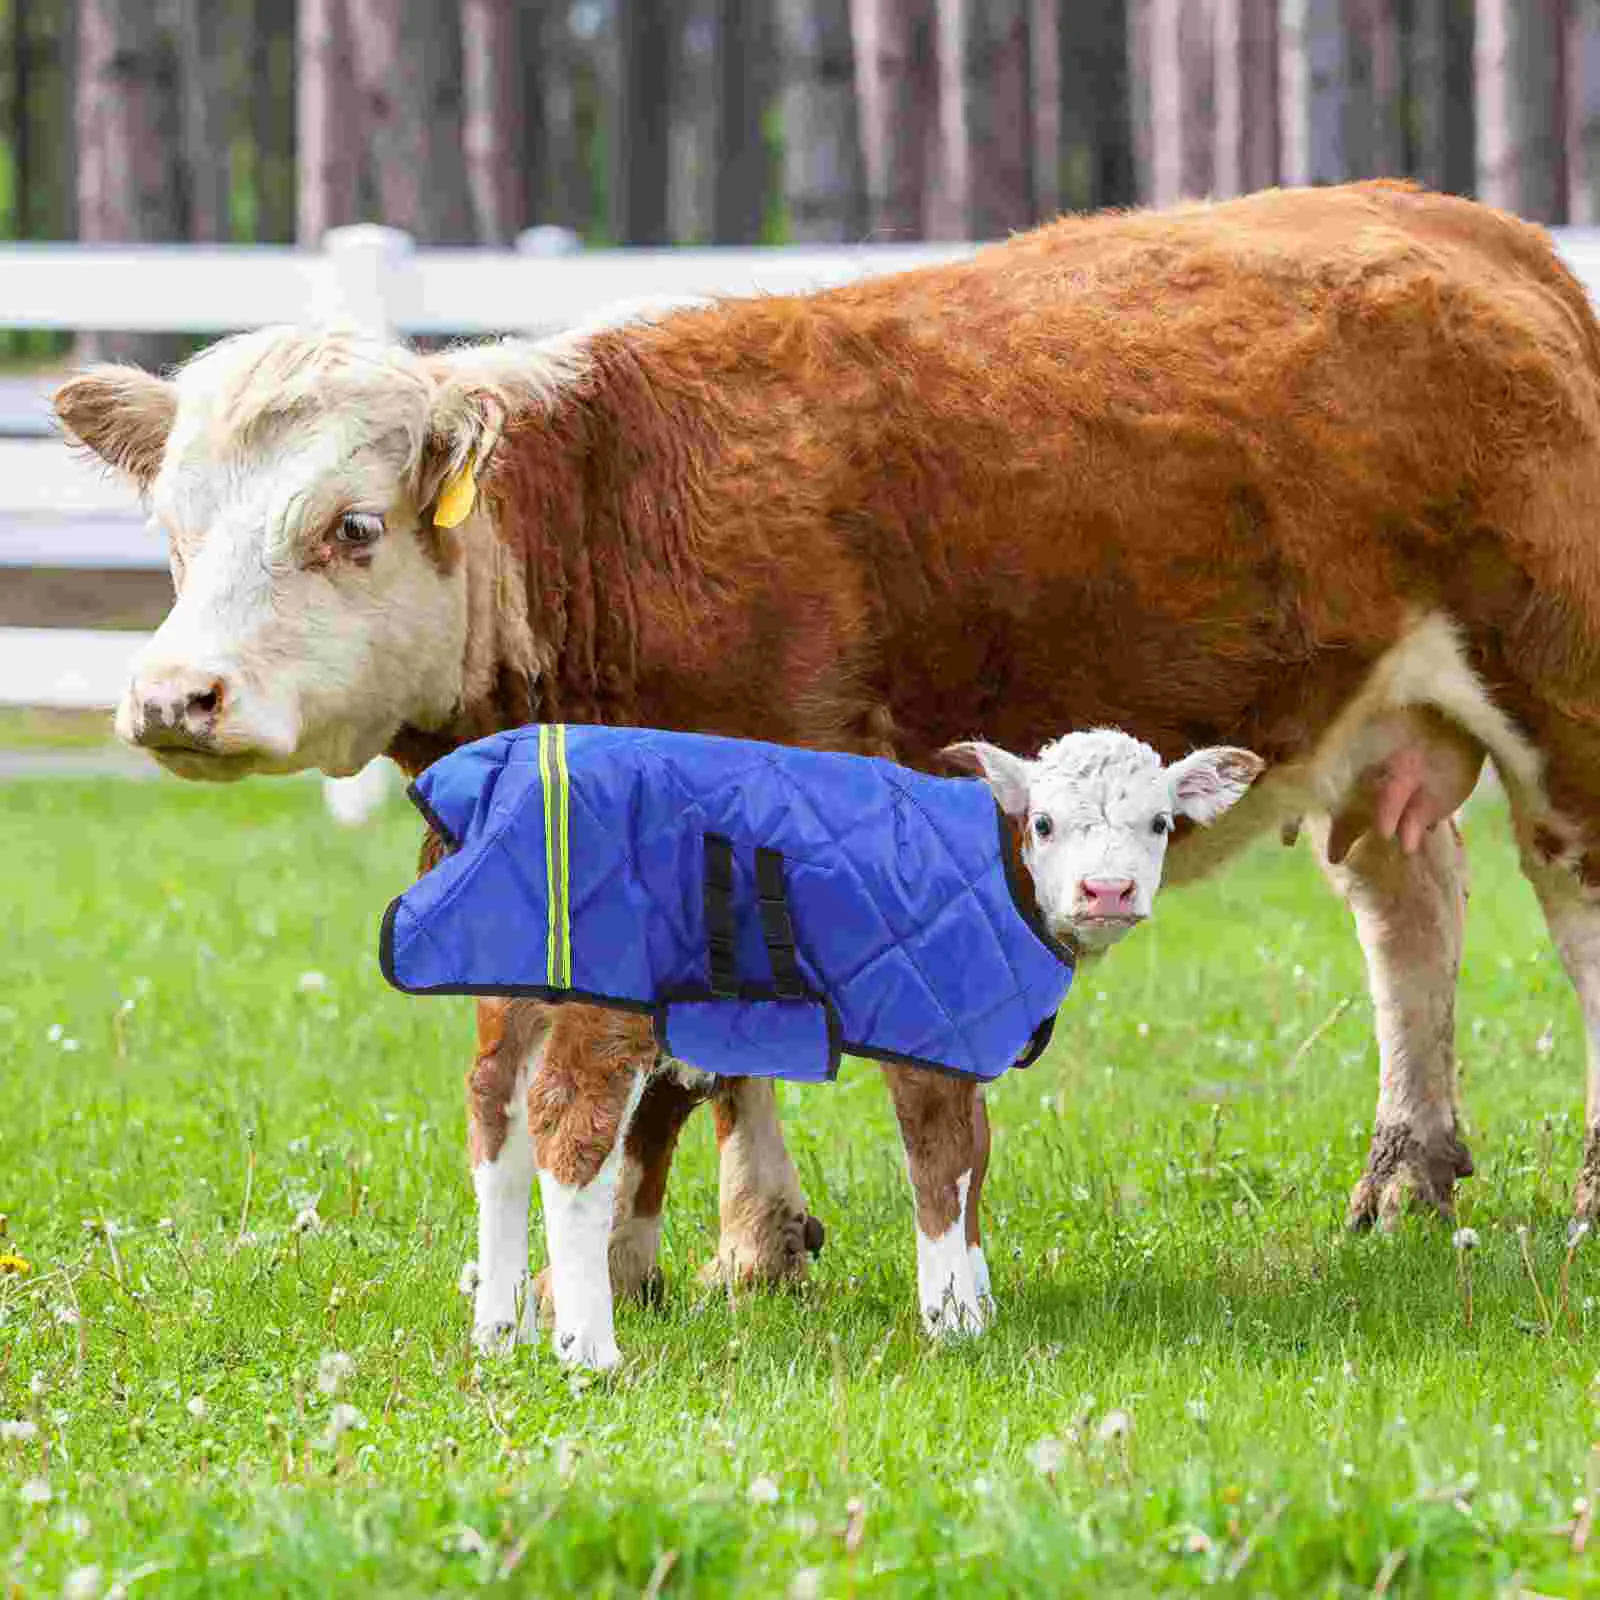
1006 774
1206 783
464 428
123 414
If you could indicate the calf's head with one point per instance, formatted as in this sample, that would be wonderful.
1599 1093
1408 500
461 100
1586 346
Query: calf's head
299 479
1096 812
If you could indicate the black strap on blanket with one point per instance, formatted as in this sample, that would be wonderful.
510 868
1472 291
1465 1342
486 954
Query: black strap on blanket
720 946
777 926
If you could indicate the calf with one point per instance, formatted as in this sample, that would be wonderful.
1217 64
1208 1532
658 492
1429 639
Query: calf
1311 473
770 908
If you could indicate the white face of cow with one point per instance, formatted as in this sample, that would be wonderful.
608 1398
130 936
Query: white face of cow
318 608
1097 811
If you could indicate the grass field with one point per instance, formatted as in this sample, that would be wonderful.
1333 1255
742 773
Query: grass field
1196 1380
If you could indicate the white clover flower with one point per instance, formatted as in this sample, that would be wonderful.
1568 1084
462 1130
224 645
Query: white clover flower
197 1407
83 1583
1465 1238
1046 1456
18 1432
763 1491
1114 1425
35 1492
333 1371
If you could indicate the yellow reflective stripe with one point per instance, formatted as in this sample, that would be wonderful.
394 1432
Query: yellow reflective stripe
551 888
563 789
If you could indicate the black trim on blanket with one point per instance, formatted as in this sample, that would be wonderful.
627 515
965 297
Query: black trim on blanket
1024 899
431 817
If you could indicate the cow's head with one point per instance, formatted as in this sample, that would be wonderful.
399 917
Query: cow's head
1097 810
299 478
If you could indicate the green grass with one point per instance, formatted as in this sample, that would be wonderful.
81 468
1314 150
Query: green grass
1164 1217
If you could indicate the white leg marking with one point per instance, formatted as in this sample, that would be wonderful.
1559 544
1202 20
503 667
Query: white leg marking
980 1277
503 1309
577 1227
945 1287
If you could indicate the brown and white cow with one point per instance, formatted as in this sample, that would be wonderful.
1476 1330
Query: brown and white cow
1315 473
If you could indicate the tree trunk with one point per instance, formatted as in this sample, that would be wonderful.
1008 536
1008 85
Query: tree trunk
128 142
1044 95
268 78
1311 83
642 137
44 135
561 99
206 103
1181 100
897 70
1583 112
1521 107
824 181
1102 46
999 127
494 124
1247 153
1374 146
408 61
744 55
948 154
327 121
1442 131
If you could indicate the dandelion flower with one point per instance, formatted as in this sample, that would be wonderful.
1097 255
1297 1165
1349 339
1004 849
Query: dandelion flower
14 1267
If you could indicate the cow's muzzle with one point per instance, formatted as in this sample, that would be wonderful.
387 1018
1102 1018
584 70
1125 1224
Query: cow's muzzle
174 713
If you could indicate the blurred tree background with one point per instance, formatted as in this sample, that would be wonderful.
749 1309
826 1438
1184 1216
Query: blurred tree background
654 122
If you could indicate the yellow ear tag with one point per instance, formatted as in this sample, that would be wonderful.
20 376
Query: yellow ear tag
457 498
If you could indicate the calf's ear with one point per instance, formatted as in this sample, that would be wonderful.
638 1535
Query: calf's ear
1006 774
123 414
1206 783
463 429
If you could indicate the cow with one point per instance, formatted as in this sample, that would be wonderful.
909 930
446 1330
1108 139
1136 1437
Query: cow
1313 473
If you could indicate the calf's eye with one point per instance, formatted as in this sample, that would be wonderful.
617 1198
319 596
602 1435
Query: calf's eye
1043 827
1161 824
358 528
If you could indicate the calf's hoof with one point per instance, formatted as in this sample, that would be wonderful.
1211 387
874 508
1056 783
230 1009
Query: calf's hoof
588 1351
1408 1172
780 1251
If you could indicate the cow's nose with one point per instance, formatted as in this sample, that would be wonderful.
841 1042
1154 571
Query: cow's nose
1107 897
179 711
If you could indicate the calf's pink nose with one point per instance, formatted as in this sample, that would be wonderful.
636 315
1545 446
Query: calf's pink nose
1107 897
178 710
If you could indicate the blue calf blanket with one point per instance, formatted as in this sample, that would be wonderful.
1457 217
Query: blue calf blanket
769 907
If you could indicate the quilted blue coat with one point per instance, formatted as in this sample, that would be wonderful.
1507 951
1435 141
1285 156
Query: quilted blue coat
769 907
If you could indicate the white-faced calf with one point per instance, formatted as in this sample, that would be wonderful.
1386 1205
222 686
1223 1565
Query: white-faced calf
770 908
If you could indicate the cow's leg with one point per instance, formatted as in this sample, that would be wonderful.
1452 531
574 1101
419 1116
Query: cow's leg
766 1231
980 1170
938 1122
585 1085
1572 913
1409 911
509 1032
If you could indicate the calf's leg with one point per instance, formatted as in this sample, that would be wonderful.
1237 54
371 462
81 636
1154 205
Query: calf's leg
980 1170
1410 912
501 1152
585 1086
938 1122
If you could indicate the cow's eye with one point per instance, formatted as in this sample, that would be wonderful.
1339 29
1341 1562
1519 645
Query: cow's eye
1162 824
1043 827
360 528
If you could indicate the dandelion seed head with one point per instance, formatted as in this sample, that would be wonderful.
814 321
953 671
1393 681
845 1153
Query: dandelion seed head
83 1583
763 1491
1046 1456
197 1407
1465 1238
334 1371
1114 1425
35 1492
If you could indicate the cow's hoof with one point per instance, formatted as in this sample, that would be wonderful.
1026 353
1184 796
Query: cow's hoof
587 1350
780 1252
501 1338
1407 1173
